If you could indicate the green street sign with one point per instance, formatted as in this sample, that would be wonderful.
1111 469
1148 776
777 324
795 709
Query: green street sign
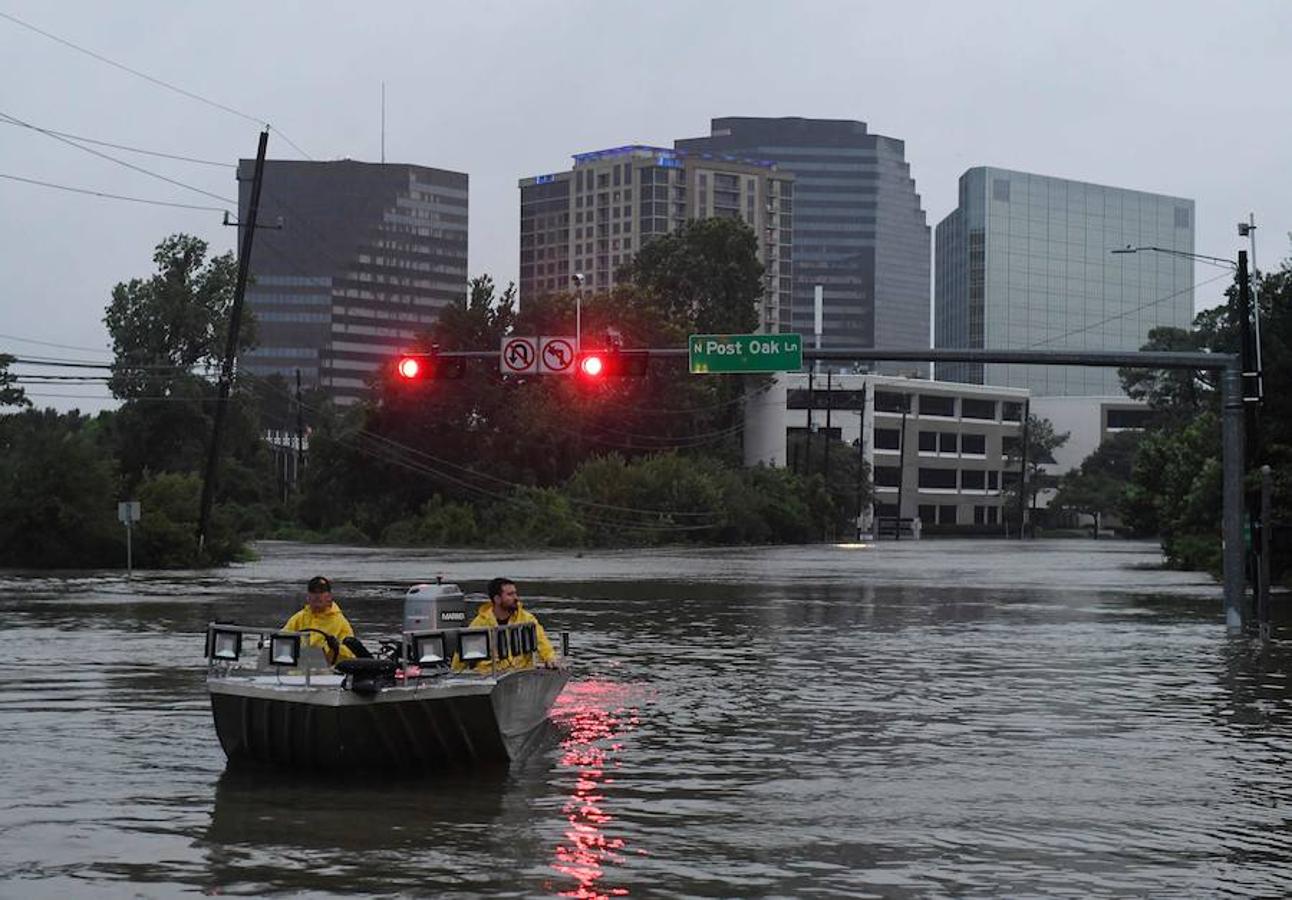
721 354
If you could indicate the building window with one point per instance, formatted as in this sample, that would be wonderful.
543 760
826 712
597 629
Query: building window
888 439
1000 189
888 401
888 476
937 405
938 479
977 409
928 513
1011 411
975 444
1182 217
947 442
993 481
928 442
947 514
973 480
1129 418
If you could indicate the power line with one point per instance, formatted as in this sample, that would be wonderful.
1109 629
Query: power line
120 162
107 196
158 153
1128 312
14 337
157 81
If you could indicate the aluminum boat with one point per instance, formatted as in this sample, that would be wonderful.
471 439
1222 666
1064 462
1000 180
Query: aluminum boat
276 700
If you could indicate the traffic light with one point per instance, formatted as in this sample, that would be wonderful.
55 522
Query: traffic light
597 364
413 368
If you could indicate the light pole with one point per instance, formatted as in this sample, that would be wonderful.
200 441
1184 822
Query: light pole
578 311
1248 230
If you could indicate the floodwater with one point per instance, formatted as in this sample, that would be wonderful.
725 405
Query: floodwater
912 719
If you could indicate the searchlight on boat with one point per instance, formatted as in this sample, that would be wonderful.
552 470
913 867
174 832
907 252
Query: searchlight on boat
285 649
428 648
226 643
473 644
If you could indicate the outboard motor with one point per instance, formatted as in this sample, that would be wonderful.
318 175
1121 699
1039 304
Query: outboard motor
431 607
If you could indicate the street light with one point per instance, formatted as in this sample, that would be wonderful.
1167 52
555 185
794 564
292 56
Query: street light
577 278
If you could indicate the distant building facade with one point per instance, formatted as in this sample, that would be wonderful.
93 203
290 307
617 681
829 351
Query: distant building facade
859 229
1025 262
367 257
936 450
594 218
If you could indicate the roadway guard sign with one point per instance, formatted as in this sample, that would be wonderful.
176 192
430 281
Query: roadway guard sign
556 355
518 356
712 354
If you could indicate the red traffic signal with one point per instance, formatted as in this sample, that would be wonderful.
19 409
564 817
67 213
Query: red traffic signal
596 364
417 367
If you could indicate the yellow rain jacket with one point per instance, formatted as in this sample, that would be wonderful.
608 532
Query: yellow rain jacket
486 619
330 621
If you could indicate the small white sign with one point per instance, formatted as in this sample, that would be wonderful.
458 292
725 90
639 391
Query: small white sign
128 512
518 356
556 355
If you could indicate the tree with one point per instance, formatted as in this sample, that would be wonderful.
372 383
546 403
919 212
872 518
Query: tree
57 493
10 393
1098 486
1042 441
706 276
165 326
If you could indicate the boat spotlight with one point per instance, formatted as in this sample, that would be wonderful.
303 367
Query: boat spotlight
285 649
224 643
473 644
502 643
428 648
528 639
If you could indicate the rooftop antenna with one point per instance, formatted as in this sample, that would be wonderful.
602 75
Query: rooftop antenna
383 123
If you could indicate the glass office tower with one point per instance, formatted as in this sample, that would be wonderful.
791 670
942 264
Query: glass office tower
859 229
1025 262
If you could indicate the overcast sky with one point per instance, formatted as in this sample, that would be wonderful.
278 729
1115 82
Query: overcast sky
1182 98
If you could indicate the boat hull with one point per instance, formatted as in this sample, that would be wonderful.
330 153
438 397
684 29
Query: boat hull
425 726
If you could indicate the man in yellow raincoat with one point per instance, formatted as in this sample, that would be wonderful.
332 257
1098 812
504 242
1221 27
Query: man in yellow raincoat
504 608
322 614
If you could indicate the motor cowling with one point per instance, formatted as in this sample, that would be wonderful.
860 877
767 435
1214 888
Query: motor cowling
431 607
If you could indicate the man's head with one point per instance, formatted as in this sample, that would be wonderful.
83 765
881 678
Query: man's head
503 596
319 594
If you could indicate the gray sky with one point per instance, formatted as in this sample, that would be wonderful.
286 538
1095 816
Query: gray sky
1182 98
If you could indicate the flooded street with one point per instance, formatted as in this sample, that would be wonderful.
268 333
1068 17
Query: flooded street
907 719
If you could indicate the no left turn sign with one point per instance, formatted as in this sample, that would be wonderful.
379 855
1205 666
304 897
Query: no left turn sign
556 355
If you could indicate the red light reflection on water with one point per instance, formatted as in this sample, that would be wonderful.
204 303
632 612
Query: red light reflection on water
594 713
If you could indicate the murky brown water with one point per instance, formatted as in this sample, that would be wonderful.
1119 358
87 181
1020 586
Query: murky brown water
942 718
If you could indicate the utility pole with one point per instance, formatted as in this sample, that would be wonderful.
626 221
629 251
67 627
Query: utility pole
231 345
300 434
901 466
1022 471
825 444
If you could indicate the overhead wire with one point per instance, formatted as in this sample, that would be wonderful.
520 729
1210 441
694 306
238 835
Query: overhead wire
109 196
88 140
157 81
4 116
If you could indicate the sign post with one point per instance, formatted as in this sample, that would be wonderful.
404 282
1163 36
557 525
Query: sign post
128 514
722 354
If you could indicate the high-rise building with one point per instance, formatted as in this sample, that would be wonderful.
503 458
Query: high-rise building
1026 262
594 218
859 230
367 256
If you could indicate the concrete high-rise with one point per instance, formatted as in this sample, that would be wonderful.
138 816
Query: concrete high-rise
859 230
1025 262
593 218
367 256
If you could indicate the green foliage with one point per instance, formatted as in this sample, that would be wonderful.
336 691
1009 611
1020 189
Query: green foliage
441 524
1042 441
166 535
534 517
1099 486
57 494
705 275
10 393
